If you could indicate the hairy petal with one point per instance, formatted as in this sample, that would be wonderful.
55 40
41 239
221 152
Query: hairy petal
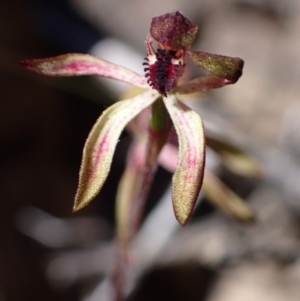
73 64
219 65
203 83
173 30
187 179
101 143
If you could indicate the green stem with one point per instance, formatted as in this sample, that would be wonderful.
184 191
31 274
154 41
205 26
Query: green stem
158 132
160 117
137 179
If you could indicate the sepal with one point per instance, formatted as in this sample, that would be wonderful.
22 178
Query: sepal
101 143
74 64
188 176
226 67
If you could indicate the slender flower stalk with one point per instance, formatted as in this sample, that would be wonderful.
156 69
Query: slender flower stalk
165 64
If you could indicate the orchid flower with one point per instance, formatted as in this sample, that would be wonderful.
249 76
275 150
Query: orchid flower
165 64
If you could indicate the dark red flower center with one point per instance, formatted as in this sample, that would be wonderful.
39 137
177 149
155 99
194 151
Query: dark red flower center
162 74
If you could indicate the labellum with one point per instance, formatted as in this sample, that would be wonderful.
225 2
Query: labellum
162 74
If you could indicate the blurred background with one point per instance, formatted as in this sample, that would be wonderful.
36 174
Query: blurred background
48 253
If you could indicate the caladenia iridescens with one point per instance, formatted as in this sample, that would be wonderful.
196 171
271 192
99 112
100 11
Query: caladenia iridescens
150 117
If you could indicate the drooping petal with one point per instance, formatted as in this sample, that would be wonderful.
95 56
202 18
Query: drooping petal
101 142
219 65
73 64
203 83
234 158
223 197
129 189
187 179
168 157
141 166
173 30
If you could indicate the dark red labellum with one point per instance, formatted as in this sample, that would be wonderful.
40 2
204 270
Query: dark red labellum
162 75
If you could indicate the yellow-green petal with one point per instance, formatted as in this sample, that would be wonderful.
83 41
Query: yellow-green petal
234 158
188 176
219 65
101 143
223 197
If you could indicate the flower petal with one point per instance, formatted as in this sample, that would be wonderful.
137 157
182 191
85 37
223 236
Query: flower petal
202 83
234 158
219 65
83 64
224 198
129 193
173 30
187 179
149 137
101 143
168 157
